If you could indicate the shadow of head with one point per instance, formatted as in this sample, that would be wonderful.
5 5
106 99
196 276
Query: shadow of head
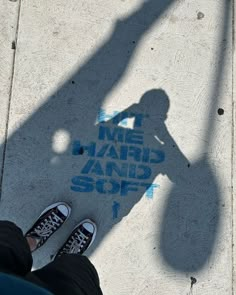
155 103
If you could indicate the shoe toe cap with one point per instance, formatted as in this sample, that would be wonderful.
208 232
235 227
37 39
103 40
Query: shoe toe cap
89 227
64 209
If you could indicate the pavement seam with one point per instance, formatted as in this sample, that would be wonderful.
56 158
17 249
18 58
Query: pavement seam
10 96
233 133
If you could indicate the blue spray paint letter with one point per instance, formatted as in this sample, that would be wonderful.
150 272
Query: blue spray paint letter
115 209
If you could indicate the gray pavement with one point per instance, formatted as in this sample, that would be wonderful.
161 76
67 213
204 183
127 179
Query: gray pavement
123 109
8 28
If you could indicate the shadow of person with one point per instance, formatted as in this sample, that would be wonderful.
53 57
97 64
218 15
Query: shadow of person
132 148
191 215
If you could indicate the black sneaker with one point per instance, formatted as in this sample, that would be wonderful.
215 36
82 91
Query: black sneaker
49 221
80 239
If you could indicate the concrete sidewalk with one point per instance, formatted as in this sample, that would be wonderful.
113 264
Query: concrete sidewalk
124 109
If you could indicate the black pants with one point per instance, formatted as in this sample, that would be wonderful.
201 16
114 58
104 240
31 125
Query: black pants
69 274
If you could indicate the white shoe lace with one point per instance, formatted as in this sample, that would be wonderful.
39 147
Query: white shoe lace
48 225
76 243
